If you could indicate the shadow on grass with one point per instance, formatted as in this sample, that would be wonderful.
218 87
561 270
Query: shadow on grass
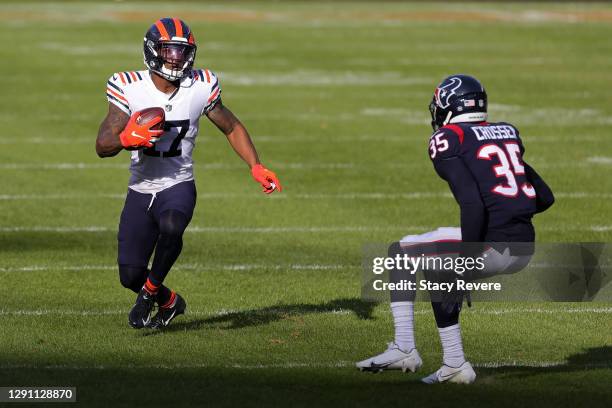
227 386
590 359
266 315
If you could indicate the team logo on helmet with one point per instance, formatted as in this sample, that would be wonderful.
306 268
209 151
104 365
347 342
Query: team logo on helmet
444 93
169 48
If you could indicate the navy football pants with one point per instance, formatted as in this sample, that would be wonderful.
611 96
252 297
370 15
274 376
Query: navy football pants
148 221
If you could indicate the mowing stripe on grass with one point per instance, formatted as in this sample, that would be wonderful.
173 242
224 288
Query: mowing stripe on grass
223 230
290 365
279 230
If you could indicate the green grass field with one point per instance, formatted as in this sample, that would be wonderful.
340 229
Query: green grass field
335 97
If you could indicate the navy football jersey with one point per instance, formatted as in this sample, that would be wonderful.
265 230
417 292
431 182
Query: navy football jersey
492 152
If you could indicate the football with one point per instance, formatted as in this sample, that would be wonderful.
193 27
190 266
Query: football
149 114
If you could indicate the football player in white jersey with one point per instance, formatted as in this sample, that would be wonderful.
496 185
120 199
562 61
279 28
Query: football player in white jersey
161 195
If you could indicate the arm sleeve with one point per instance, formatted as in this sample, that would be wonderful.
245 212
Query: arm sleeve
214 96
467 194
544 195
115 94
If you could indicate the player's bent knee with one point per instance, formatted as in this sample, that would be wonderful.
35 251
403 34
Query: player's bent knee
132 277
172 224
394 249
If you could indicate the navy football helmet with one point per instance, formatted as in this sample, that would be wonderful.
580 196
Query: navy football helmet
169 48
458 98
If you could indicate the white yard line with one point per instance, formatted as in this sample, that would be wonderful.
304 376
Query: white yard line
322 78
125 166
185 267
292 139
415 195
600 160
587 163
282 310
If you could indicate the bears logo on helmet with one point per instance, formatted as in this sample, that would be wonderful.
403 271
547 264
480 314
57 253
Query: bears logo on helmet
169 48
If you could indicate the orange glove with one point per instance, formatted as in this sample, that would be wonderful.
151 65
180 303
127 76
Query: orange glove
266 178
140 135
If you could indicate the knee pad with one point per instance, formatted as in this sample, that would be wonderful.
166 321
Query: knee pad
133 277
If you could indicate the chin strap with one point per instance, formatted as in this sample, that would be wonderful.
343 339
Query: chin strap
448 118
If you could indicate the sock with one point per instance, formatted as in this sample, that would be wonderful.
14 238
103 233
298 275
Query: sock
170 302
151 287
163 295
452 348
403 319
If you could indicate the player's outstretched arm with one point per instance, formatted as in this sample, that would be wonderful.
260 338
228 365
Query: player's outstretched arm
241 142
108 143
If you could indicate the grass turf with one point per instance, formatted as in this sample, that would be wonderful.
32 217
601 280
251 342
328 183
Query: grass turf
335 96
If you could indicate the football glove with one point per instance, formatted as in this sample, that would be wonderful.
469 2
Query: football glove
139 135
266 178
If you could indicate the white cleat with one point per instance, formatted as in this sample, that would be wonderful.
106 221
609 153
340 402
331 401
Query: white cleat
464 374
392 359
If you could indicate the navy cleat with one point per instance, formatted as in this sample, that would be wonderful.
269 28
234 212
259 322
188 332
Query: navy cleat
140 315
165 314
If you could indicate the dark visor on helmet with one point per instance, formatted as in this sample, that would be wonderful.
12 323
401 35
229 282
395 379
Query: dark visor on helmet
176 54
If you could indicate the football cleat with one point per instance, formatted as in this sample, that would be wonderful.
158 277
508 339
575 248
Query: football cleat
165 314
140 315
393 358
464 374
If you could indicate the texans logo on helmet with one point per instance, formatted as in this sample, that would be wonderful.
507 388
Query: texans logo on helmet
444 93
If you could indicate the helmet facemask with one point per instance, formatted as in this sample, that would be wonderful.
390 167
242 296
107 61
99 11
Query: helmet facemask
174 59
439 116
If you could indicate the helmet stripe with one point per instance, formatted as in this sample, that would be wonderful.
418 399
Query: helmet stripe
162 29
178 27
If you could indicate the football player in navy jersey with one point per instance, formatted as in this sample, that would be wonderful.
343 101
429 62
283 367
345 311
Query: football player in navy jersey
498 194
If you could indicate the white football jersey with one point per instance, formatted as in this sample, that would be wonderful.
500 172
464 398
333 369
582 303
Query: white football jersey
169 161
